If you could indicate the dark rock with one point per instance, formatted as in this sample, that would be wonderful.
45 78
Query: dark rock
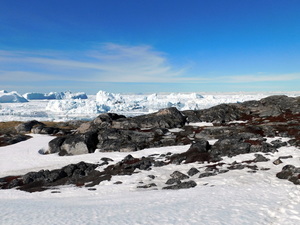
106 159
236 166
286 157
198 152
260 158
182 185
147 185
193 171
278 143
291 173
207 174
164 118
54 145
151 176
217 114
231 147
173 181
9 139
124 140
118 182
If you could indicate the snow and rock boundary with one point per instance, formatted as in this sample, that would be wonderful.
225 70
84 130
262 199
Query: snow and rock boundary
269 117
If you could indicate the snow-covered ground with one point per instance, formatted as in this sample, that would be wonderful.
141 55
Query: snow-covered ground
236 197
75 106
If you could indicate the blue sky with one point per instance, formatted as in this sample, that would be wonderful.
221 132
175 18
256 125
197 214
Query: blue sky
139 46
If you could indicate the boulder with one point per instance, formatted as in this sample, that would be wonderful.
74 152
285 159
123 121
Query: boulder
200 151
54 145
79 144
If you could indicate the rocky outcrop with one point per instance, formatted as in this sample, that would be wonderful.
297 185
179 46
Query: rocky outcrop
275 115
272 106
164 118
239 128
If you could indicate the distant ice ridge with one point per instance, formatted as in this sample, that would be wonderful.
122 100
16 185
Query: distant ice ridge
139 104
55 95
11 97
71 107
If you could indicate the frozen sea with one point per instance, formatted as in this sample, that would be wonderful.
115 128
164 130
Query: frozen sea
125 104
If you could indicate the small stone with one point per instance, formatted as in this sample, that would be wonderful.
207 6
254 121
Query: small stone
277 162
147 185
118 182
92 189
151 176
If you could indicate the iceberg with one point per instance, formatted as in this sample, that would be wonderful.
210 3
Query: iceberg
11 97
55 95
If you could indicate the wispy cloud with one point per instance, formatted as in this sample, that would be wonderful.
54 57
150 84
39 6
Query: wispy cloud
111 63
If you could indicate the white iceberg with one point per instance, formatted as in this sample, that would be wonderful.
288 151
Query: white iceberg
11 97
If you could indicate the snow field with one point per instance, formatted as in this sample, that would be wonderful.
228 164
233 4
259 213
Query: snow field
236 197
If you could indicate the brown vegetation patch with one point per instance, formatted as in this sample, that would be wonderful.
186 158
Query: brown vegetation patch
8 127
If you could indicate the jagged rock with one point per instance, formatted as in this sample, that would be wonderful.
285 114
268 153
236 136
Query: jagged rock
182 185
